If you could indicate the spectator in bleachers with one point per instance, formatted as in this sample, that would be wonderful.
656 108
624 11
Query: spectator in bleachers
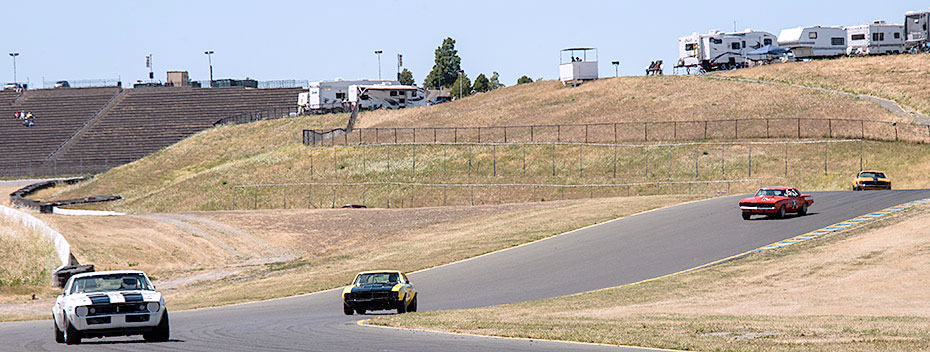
30 119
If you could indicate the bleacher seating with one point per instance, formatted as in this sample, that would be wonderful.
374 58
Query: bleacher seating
140 122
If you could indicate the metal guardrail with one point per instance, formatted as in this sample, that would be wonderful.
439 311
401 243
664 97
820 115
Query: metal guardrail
270 114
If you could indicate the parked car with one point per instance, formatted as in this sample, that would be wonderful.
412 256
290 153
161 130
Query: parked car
379 290
13 85
62 84
110 303
353 206
776 201
871 180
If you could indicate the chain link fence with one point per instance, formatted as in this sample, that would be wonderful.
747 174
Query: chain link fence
797 128
317 195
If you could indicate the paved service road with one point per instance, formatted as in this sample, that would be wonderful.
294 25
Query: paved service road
611 254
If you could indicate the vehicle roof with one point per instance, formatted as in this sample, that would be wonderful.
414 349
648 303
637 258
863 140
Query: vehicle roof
380 271
876 171
777 187
110 272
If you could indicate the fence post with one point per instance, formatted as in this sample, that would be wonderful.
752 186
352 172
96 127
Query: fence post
524 159
553 159
736 128
615 133
532 136
830 127
675 130
468 151
669 162
360 139
558 133
334 197
646 158
285 196
395 135
705 129
414 135
309 196
697 155
377 135
750 159
455 135
413 190
472 195
389 160
615 157
723 166
500 199
895 124
389 196
479 134
766 128
505 134
364 194
862 129
414 147
786 159
255 198
645 132
825 145
586 133
562 191
444 147
494 159
581 159
335 168
860 153
444 195
799 127
434 134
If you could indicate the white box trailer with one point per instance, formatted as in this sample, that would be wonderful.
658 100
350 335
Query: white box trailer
916 31
386 96
814 42
331 96
876 38
721 51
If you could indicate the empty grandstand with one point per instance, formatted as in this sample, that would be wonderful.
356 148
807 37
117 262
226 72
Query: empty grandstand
88 130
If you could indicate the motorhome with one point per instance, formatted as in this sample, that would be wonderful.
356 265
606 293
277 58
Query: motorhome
916 31
324 97
814 42
876 38
387 96
717 50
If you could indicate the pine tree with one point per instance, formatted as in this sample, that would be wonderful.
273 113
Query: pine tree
447 64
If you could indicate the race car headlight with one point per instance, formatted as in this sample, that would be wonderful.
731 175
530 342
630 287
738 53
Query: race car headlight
81 311
153 307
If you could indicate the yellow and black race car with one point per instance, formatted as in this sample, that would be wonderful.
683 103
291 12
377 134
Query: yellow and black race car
871 180
379 290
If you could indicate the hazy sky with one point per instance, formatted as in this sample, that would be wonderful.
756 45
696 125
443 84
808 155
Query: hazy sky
318 40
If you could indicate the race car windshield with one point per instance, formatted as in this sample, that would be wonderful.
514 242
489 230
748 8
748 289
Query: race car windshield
770 193
872 175
114 282
377 278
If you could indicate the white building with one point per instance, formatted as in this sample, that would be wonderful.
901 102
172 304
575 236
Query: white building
332 96
717 50
876 38
814 42
916 33
580 65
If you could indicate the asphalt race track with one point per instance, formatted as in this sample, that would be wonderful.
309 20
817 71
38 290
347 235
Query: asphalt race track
611 254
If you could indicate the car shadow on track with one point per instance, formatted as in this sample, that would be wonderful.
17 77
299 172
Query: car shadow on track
126 342
787 217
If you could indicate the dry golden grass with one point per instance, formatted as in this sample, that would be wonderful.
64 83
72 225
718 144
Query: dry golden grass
217 258
625 99
28 259
861 290
901 78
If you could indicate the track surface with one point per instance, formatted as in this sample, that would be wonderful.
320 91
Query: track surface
611 254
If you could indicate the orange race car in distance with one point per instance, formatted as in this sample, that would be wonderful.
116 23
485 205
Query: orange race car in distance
776 201
871 180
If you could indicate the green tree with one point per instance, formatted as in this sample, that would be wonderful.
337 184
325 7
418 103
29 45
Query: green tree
465 85
406 77
524 79
481 84
446 65
494 82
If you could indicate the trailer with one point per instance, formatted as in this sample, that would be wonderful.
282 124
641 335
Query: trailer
916 31
876 38
325 97
717 50
814 42
389 96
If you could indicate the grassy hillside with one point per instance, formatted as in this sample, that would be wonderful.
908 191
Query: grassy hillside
901 78
663 98
862 290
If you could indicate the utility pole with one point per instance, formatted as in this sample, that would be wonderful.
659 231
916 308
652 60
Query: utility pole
209 54
400 63
378 52
14 55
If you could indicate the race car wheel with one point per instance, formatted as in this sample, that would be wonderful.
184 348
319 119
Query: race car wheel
161 333
746 216
803 210
346 309
72 335
360 311
401 307
413 305
781 212
59 335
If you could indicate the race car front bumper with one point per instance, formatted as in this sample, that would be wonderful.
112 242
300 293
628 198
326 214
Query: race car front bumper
759 209
116 324
377 300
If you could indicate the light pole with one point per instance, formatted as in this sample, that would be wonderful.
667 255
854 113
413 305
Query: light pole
209 54
616 68
14 55
378 52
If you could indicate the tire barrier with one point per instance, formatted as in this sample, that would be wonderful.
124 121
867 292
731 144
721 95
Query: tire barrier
19 197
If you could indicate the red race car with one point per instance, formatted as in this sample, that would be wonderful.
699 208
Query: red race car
776 201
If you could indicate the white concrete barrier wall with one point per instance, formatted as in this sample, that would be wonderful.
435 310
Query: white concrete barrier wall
62 248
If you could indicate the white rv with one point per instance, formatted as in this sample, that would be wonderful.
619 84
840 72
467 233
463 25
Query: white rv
387 96
876 38
916 33
721 51
331 96
814 42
